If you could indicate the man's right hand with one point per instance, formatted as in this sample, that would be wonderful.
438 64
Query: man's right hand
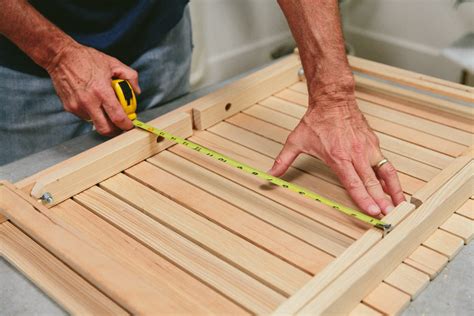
82 78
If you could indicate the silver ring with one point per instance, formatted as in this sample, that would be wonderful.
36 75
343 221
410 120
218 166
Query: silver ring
379 164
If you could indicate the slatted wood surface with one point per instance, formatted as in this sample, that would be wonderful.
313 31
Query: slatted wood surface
180 233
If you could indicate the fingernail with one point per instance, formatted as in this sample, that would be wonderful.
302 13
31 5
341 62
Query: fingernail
389 209
374 209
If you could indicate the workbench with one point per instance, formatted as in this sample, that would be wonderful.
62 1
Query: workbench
294 94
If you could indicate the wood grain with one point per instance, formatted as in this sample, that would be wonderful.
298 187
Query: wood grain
467 209
408 280
427 261
101 162
387 299
248 227
209 269
459 226
134 293
444 243
262 265
274 213
58 281
357 281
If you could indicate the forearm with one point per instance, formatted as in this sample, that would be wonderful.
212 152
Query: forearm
316 27
41 40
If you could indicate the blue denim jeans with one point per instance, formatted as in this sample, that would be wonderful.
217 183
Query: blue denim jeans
32 117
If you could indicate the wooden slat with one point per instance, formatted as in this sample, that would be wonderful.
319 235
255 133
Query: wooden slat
427 261
444 243
413 79
101 162
387 299
256 231
459 226
357 281
134 293
438 114
58 281
262 162
382 125
318 284
408 280
251 259
364 310
224 103
410 184
274 213
467 209
276 133
315 211
208 268
2 219
417 123
439 180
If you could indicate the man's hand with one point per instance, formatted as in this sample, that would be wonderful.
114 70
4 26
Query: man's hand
334 130
82 78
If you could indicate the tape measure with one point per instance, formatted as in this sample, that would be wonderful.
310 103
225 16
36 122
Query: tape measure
127 98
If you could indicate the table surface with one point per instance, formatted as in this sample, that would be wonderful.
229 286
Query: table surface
451 293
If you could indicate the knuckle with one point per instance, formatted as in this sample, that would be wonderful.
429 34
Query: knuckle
358 147
352 185
390 170
371 182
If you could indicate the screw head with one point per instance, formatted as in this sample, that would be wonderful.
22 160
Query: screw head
301 74
47 198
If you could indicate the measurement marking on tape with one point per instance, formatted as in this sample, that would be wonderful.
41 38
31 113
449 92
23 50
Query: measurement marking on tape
265 176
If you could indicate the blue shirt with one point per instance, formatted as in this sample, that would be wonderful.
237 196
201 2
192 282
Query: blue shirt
124 29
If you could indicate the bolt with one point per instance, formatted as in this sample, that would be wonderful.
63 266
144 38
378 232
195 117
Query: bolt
47 198
301 74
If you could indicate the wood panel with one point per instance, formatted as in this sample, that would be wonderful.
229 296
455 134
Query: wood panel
210 269
467 209
108 274
427 261
387 299
61 283
254 230
260 264
343 294
460 226
252 202
408 280
364 310
101 162
444 243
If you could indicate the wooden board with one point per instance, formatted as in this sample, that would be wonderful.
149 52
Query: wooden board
140 226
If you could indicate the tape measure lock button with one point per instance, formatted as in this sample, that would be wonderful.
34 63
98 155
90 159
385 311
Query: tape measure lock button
124 92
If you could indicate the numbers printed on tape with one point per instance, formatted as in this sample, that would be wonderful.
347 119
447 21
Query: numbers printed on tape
265 176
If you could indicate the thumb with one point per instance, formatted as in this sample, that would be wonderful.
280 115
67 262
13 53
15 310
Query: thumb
284 160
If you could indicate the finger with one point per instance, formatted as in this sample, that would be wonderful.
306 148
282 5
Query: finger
122 71
114 110
388 174
284 159
102 124
355 187
373 185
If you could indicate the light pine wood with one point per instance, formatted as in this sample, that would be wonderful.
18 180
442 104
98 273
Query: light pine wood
256 231
361 277
413 79
305 207
293 97
387 299
263 162
279 134
438 114
2 219
444 243
459 226
318 283
101 162
408 280
427 261
467 209
134 293
406 165
364 310
182 252
224 103
260 264
439 180
58 281
274 213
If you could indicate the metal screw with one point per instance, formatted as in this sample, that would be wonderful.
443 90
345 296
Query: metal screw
301 74
47 198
